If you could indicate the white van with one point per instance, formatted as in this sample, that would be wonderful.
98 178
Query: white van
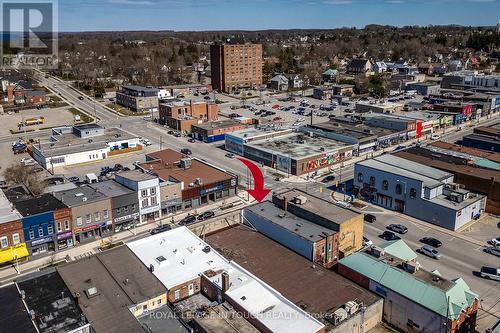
490 273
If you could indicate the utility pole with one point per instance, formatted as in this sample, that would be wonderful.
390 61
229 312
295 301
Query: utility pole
161 142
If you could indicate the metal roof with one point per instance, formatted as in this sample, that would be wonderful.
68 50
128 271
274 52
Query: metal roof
444 297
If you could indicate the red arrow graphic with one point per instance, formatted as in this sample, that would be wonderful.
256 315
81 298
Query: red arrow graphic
259 193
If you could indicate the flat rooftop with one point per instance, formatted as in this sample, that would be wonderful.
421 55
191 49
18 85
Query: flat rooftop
465 150
111 189
162 320
358 131
53 303
121 281
79 196
7 211
430 177
14 317
140 88
136 175
68 143
218 124
326 209
256 133
224 318
299 145
37 205
166 164
314 288
178 256
294 224
383 105
484 138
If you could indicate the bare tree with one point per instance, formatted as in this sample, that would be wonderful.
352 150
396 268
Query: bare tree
18 173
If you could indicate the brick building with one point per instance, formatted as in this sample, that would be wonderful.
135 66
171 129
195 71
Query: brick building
11 232
236 66
138 99
216 131
182 115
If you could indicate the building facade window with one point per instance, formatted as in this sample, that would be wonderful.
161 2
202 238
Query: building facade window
372 181
399 189
153 191
15 239
32 233
97 216
145 203
88 218
50 229
79 221
59 226
385 185
413 193
66 225
40 231
360 177
144 193
4 242
105 214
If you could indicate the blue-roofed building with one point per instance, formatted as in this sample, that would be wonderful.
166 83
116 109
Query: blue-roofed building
415 300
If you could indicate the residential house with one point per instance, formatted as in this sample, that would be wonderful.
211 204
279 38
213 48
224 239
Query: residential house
279 83
359 67
426 68
330 75
380 67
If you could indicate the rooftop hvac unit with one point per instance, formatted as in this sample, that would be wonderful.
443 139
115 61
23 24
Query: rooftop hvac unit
198 181
351 307
186 163
339 316
410 267
300 200
377 251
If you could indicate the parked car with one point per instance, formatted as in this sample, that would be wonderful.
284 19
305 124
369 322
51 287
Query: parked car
3 184
327 179
431 241
192 140
389 235
27 161
206 215
186 151
490 273
146 142
367 242
177 134
370 218
435 137
206 97
429 251
229 155
187 220
495 242
399 228
161 228
171 132
74 179
118 167
493 250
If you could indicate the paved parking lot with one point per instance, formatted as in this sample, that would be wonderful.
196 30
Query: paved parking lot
53 118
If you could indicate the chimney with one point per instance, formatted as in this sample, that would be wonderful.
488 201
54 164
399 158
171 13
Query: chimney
285 204
225 282
77 298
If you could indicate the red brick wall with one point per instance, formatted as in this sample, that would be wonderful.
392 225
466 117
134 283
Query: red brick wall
183 288
10 228
353 276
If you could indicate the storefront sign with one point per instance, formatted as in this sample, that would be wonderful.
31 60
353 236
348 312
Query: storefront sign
128 217
90 227
105 224
149 210
41 241
212 189
64 235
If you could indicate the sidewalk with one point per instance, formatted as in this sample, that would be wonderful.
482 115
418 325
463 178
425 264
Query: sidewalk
8 273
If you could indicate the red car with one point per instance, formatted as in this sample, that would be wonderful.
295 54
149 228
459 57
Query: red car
277 118
276 106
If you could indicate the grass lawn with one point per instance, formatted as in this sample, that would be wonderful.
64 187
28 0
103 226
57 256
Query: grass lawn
125 111
83 116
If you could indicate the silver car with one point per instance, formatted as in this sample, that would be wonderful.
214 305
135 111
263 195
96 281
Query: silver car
430 252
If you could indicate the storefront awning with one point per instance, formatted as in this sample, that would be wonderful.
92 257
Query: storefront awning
14 252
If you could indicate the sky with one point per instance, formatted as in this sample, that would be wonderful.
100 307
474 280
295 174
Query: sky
198 15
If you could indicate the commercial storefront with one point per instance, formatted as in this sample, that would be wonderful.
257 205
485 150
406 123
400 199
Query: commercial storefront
13 253
64 240
126 222
42 245
91 232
